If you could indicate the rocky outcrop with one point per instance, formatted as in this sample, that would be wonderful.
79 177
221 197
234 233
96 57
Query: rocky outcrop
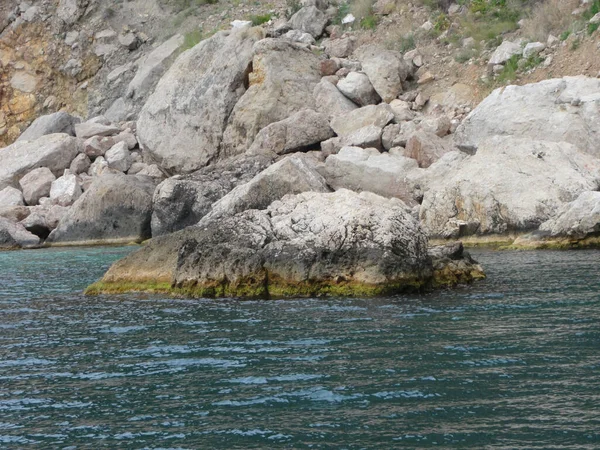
183 200
340 243
510 185
182 124
55 151
386 70
281 83
14 235
115 208
577 219
330 101
564 109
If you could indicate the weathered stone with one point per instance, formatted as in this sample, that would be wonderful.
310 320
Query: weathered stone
36 223
365 137
504 52
300 36
578 219
282 83
36 184
182 201
310 20
533 48
182 123
118 157
292 175
60 122
330 101
378 115
97 146
340 48
299 132
14 235
386 70
152 171
368 170
116 208
10 196
65 190
54 151
14 213
91 128
329 67
564 109
129 41
509 185
80 164
357 87
98 167
426 148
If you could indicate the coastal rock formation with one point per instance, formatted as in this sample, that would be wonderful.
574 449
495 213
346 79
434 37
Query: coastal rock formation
183 200
340 243
182 124
562 109
115 208
14 235
509 185
59 122
578 219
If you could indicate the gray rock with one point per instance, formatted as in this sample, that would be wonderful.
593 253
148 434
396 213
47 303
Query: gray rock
59 122
91 128
14 213
182 201
152 171
118 157
116 208
340 48
330 101
292 175
378 115
300 36
65 190
282 82
128 137
182 123
9 197
365 137
509 185
402 111
54 151
386 70
426 148
357 87
80 164
36 223
98 167
152 66
13 235
129 40
299 132
533 48
504 52
368 170
310 20
577 219
36 184
563 109
97 145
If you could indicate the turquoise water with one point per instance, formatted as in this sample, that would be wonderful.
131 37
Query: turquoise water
512 362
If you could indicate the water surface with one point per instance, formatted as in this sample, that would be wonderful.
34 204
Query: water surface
512 362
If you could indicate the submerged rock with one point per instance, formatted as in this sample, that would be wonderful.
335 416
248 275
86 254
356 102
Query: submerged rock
340 243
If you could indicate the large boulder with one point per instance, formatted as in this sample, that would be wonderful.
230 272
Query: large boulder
385 68
14 235
115 208
426 148
65 190
509 185
292 175
182 123
183 200
341 243
59 122
563 109
36 184
299 132
54 151
368 170
282 82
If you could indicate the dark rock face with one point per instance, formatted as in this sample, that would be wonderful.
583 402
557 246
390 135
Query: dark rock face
182 201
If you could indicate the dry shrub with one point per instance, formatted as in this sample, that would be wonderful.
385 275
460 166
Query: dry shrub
550 17
361 9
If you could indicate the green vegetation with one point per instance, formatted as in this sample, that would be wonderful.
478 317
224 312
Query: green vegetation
191 39
182 5
260 19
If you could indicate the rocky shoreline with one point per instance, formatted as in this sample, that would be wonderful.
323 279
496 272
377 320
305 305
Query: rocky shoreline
261 165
